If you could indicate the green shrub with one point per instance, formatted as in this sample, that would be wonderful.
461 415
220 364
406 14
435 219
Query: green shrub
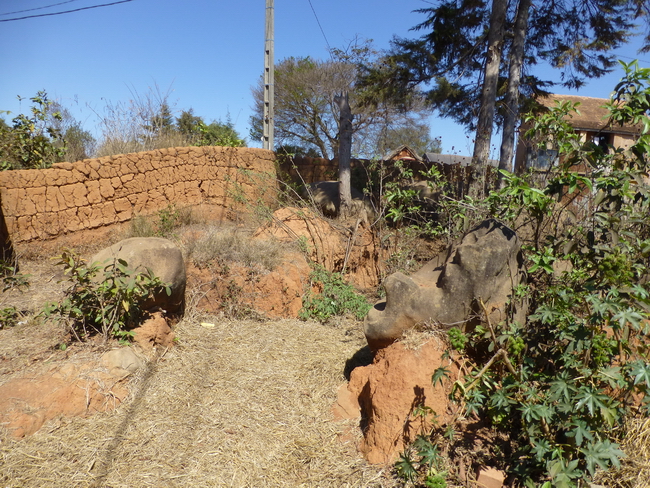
8 316
557 390
336 297
102 298
32 142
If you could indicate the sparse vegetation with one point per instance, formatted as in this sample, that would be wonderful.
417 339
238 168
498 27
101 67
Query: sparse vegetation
103 299
329 295
230 244
166 223
557 391
10 279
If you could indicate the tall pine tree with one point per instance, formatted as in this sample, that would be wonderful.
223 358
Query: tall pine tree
454 58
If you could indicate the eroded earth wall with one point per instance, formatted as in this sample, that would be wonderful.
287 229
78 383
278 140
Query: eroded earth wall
69 197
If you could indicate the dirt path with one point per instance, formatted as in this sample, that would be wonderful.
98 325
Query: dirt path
243 403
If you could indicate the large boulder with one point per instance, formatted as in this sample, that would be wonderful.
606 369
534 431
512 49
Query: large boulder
162 257
486 266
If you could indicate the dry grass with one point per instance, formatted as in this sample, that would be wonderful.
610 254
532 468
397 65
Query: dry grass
232 244
635 468
241 404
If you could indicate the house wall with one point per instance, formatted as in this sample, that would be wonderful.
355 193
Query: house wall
71 197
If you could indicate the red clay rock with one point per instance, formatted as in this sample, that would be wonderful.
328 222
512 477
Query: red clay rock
276 294
332 246
387 391
490 478
153 332
71 390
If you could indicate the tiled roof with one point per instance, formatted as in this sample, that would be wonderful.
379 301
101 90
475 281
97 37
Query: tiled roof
593 115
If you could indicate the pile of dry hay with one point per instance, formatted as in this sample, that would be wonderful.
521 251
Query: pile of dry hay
243 403
635 467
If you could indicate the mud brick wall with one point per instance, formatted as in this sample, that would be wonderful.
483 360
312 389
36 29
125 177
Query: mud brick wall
70 197
305 169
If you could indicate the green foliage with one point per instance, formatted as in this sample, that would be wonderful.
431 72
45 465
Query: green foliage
405 205
559 388
219 134
170 218
335 297
422 464
31 142
8 316
102 298
11 278
457 339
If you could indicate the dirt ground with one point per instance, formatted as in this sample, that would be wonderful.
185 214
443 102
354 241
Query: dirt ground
233 403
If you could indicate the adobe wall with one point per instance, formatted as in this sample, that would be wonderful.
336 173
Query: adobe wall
70 197
305 169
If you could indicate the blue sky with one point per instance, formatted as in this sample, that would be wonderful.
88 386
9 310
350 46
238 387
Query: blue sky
206 54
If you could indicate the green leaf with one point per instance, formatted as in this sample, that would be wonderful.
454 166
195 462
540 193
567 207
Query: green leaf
612 376
591 398
580 432
602 454
641 372
439 375
405 467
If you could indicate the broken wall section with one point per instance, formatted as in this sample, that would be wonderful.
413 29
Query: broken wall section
70 197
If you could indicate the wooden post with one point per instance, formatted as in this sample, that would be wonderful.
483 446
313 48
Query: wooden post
345 151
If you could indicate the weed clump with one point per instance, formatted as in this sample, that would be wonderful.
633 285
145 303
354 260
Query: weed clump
103 299
334 297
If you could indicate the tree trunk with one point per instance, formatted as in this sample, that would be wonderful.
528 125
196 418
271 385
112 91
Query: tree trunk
345 150
491 78
512 93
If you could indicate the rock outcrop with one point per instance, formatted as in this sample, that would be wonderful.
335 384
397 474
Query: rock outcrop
448 291
162 257
334 246
386 394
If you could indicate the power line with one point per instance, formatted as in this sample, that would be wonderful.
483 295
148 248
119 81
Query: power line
329 49
65 11
38 8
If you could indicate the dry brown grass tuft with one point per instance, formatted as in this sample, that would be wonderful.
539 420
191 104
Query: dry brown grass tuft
238 404
635 468
229 243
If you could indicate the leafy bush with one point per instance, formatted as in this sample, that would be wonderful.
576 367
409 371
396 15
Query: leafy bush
31 142
558 388
103 299
335 297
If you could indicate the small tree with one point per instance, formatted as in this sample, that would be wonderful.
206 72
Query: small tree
32 141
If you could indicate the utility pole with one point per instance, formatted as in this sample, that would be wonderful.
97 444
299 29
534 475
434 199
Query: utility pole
269 76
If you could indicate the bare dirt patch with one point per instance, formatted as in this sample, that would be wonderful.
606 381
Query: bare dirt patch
231 403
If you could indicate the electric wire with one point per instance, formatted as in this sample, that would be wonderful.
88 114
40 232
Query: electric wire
38 8
65 11
329 49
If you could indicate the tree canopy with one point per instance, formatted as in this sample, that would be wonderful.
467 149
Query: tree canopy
449 61
306 114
